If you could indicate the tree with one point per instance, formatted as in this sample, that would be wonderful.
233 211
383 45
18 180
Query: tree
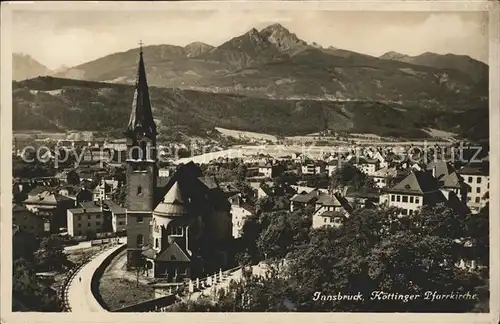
477 229
441 221
24 245
29 292
242 172
50 255
374 250
119 196
349 175
73 178
264 204
285 232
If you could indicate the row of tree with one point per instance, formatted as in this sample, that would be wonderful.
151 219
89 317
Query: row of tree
374 250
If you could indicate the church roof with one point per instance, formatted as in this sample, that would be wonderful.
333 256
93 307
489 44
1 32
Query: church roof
172 203
173 253
141 117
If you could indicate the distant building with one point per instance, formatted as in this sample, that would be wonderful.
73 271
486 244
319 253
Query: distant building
420 188
382 176
313 167
86 219
239 214
330 210
29 222
46 202
332 166
304 199
369 167
477 182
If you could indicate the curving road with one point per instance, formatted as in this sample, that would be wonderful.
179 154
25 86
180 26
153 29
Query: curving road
80 297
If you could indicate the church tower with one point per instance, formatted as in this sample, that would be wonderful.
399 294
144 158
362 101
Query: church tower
141 168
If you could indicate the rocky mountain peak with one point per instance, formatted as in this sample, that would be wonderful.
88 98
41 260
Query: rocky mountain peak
393 56
196 48
283 39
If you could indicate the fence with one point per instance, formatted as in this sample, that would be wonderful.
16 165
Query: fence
63 295
182 292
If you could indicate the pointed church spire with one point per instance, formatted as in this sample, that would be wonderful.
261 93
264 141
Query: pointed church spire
141 118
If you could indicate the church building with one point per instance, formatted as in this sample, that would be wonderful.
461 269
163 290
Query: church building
180 230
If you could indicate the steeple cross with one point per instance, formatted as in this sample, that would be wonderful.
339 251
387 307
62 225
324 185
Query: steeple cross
140 44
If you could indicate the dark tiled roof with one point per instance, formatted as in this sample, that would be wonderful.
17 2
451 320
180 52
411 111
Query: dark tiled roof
473 170
77 210
328 200
115 208
305 198
443 168
417 182
331 213
90 207
149 253
451 180
209 182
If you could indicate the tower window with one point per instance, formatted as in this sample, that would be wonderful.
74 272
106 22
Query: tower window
139 190
157 243
176 231
144 154
140 240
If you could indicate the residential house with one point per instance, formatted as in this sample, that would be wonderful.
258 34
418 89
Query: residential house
239 214
105 189
29 222
266 169
365 165
420 188
87 219
48 203
303 199
264 191
477 181
164 172
77 193
118 215
330 210
417 189
382 176
362 197
332 166
313 167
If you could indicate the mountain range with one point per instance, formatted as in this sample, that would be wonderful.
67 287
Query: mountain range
275 63
263 81
26 67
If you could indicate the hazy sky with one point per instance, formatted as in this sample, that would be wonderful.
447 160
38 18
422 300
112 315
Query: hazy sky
70 38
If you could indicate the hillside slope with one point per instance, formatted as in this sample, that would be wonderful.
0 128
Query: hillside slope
62 104
25 67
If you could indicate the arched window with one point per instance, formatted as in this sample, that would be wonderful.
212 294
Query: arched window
139 190
144 154
157 243
140 240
